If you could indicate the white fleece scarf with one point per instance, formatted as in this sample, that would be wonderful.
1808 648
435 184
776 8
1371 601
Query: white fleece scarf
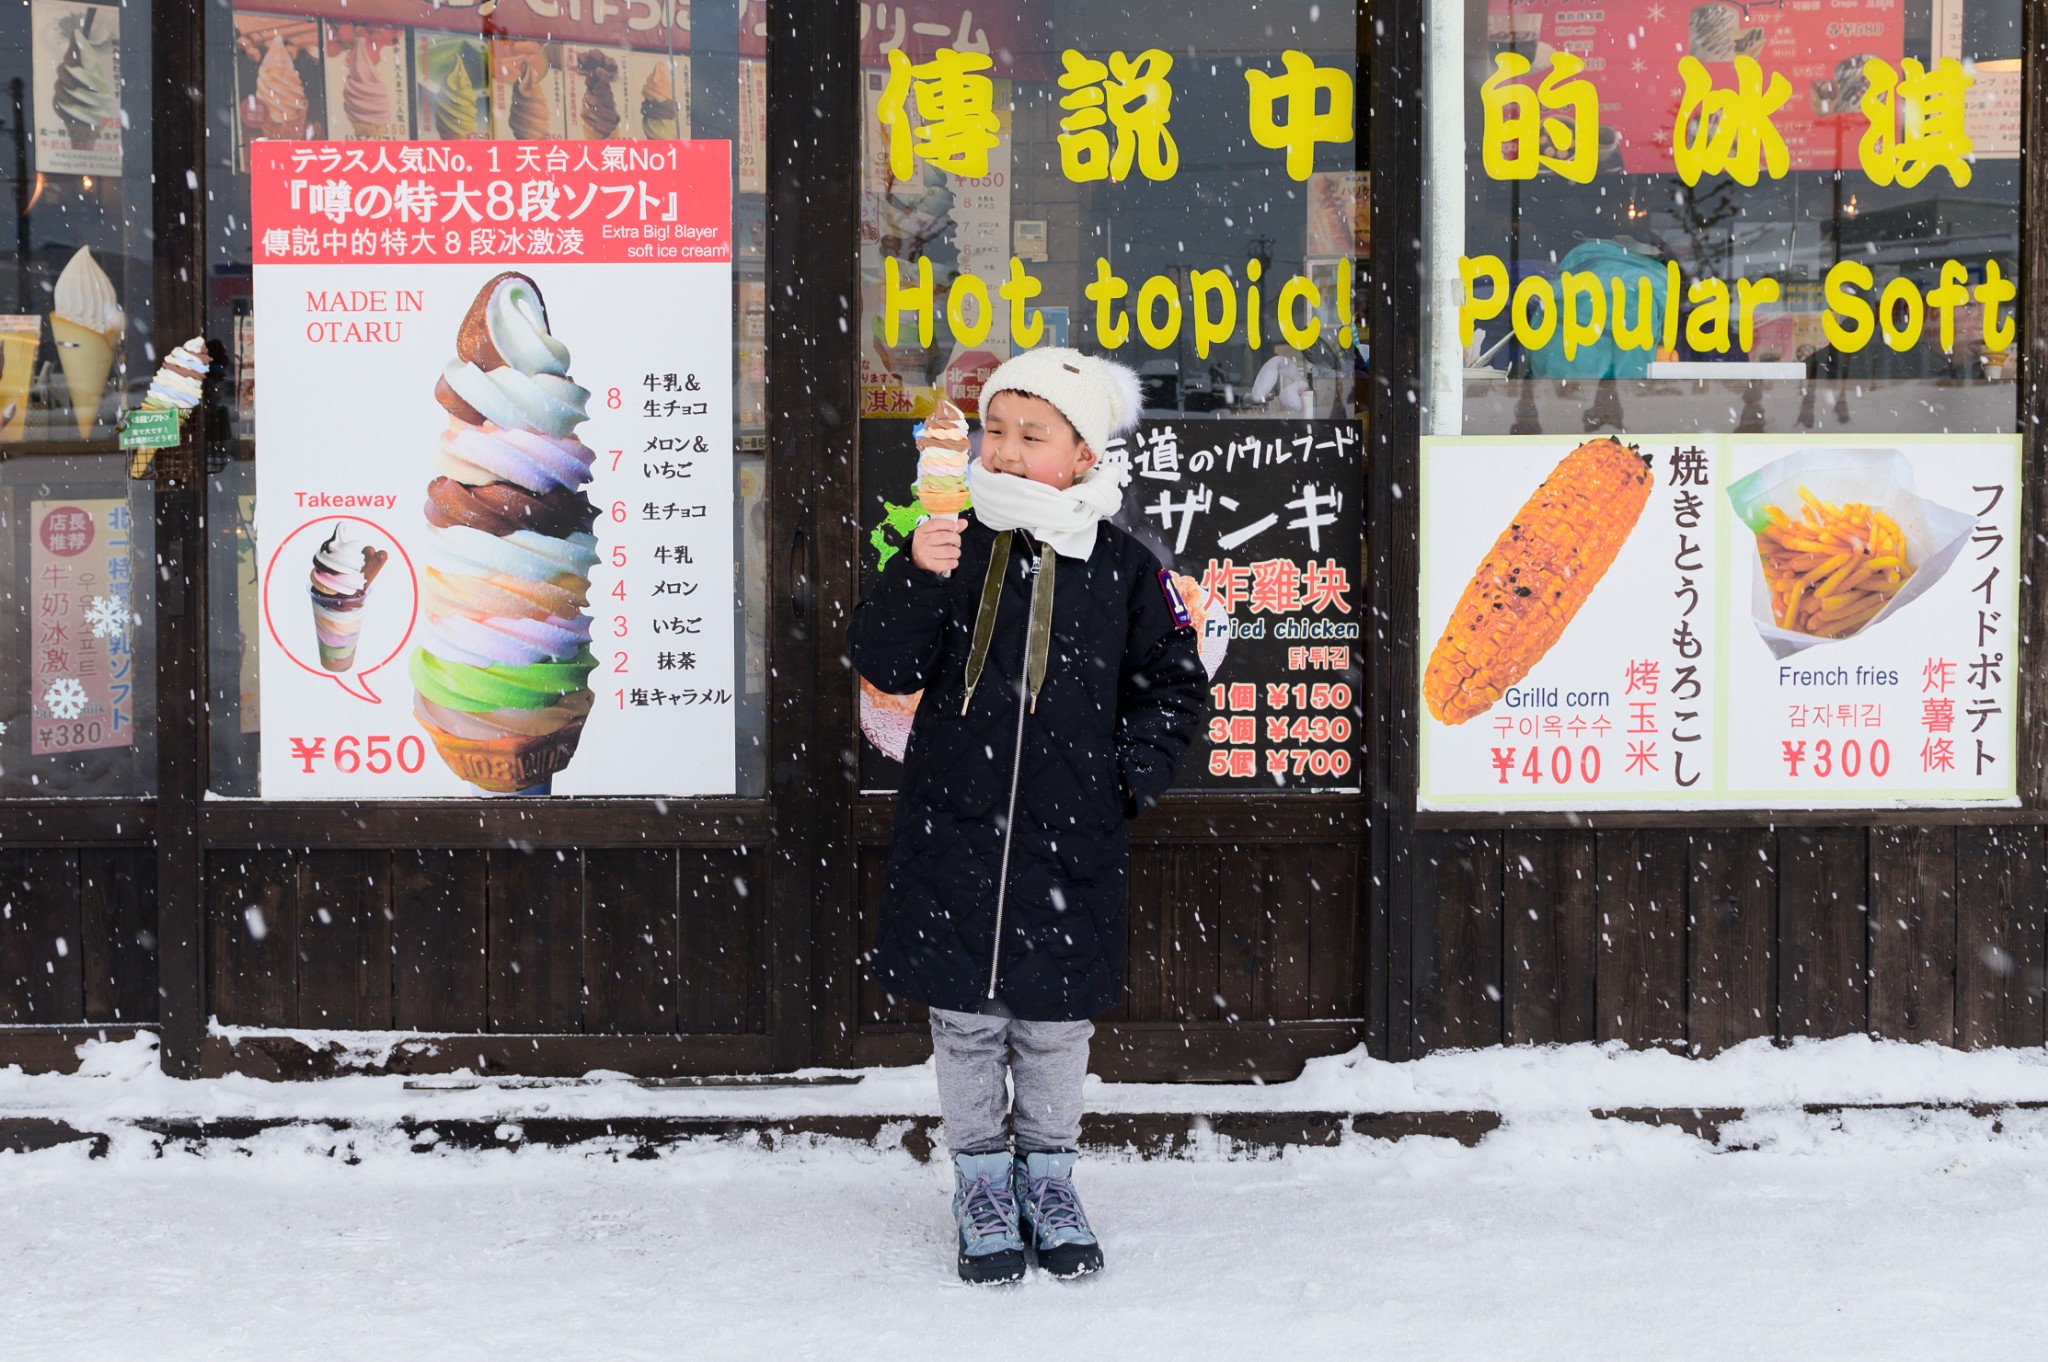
1064 521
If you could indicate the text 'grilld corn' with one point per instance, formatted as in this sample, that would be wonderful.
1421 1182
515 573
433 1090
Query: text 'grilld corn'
1537 575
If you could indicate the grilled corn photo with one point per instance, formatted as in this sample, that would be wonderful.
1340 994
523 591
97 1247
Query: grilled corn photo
1536 577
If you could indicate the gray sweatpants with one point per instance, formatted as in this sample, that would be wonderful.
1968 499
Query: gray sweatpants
1047 1062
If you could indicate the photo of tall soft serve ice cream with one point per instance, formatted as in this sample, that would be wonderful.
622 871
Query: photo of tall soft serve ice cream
86 92
86 319
366 96
343 568
278 107
501 676
658 104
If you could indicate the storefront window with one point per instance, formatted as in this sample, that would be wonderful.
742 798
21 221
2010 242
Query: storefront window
1721 481
1180 190
77 349
529 90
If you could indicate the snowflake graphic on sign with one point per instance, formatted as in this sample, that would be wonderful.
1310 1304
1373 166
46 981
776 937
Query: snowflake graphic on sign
65 698
108 616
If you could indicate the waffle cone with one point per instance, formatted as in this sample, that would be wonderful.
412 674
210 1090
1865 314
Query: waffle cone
507 765
87 356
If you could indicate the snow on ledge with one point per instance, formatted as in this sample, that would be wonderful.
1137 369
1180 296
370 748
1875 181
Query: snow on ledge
121 1081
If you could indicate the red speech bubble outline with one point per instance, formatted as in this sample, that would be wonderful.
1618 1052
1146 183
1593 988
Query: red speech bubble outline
361 673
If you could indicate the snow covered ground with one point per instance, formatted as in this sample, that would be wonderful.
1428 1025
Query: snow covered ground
1886 1234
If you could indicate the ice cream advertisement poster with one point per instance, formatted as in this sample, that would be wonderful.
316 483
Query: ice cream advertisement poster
368 97
495 527
280 87
1687 621
76 51
82 623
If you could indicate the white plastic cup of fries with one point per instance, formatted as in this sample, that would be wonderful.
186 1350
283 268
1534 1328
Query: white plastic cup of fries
1843 543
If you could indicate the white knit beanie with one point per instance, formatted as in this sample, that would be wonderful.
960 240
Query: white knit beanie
1099 396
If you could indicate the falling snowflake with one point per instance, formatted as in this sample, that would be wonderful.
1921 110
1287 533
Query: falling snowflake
108 616
65 699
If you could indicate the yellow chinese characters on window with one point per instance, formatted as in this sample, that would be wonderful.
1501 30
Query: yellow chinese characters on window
1131 97
1516 132
1729 131
957 125
1317 105
1930 104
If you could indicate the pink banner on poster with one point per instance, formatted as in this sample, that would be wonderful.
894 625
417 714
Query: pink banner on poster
81 660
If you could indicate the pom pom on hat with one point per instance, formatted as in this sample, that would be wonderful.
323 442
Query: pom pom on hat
1099 396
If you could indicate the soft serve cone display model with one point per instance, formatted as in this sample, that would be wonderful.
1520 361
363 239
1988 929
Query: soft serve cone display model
501 675
343 569
86 322
179 384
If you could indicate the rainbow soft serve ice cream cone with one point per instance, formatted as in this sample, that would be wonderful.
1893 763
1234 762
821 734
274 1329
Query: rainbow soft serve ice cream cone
86 320
343 569
942 454
501 677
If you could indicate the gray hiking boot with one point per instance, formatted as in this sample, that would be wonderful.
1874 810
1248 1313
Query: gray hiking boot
985 1208
1052 1216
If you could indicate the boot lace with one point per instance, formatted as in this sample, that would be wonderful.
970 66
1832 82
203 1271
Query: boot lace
989 1208
1054 1206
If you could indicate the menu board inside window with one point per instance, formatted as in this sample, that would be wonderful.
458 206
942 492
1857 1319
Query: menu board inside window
491 140
1136 182
1718 494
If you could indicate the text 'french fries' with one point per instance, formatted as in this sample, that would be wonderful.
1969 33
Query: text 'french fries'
1834 568
1534 579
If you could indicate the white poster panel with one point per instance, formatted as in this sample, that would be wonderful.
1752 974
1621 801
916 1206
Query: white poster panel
495 472
1681 621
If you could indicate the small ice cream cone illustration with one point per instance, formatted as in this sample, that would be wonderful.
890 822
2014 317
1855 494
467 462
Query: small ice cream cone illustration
342 572
501 678
179 384
20 337
85 94
658 104
86 321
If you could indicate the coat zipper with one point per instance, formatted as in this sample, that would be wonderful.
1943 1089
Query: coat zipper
995 957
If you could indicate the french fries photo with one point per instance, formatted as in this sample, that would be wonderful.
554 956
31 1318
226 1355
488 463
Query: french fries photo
1834 568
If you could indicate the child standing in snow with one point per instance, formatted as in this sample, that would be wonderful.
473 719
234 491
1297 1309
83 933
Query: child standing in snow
1061 685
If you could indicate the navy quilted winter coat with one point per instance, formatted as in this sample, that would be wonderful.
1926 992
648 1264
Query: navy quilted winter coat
1122 699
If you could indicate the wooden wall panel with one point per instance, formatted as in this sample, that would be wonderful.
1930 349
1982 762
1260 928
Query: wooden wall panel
1913 934
42 977
536 941
1823 936
630 942
1458 940
344 945
440 940
1547 914
1732 945
2001 916
1327 884
117 927
1639 974
724 968
252 947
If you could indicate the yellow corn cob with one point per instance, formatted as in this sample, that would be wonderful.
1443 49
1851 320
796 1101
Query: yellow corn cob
1538 574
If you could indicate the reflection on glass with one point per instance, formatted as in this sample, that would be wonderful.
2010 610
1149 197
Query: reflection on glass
1724 217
